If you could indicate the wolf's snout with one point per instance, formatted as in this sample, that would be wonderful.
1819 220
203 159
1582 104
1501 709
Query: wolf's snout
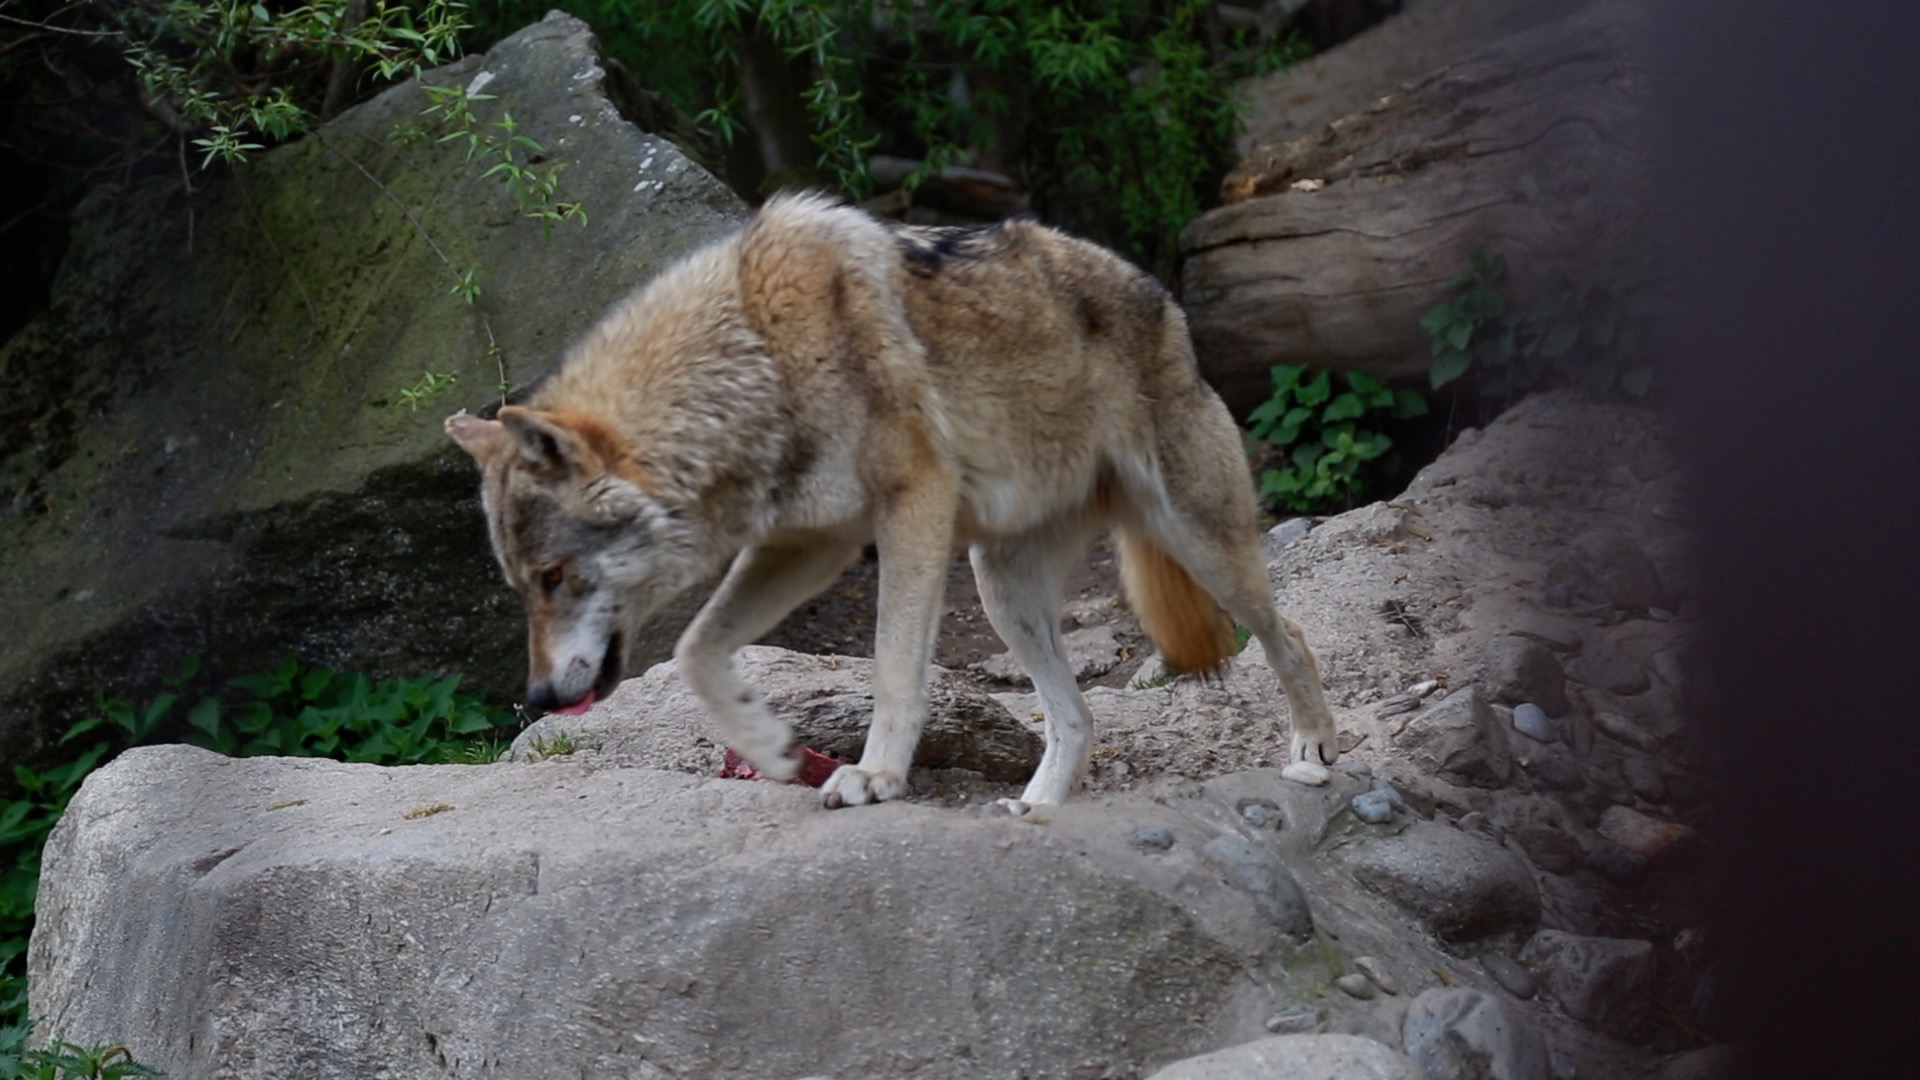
540 695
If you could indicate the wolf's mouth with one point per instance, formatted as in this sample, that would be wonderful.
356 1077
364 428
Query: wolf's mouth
606 682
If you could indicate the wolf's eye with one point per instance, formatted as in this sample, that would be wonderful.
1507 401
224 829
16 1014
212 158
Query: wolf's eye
551 577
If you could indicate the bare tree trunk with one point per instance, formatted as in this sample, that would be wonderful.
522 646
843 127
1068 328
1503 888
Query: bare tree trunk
776 115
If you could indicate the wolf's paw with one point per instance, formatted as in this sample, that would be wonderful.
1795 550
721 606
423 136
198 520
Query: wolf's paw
1315 750
850 785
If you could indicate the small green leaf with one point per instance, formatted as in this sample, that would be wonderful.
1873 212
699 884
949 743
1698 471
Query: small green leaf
1447 367
1316 390
1344 406
206 716
1408 404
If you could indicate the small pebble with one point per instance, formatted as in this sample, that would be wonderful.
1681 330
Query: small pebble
1511 974
1669 512
1559 595
1373 807
1306 772
1562 1064
1262 815
1373 969
1660 614
1153 838
1473 821
1355 985
1424 687
1294 1020
1291 531
1616 862
1531 720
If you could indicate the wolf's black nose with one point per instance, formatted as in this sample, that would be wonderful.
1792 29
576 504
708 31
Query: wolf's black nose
541 696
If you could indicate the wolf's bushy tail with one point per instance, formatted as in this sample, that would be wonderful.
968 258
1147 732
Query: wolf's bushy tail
1191 630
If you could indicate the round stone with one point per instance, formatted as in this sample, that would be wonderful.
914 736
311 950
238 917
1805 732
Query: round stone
1531 720
1153 838
1373 807
1355 985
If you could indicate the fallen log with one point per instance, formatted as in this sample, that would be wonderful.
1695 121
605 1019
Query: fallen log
1332 245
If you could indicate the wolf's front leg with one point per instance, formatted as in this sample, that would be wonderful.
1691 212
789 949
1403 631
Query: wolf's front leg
763 585
915 541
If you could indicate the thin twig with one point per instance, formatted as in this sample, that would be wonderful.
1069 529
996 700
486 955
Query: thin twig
50 28
493 344
186 181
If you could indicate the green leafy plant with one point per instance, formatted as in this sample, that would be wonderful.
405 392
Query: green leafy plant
1324 435
1115 114
558 744
59 1059
295 709
1593 333
431 385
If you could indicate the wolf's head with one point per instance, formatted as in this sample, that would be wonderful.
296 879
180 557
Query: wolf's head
581 536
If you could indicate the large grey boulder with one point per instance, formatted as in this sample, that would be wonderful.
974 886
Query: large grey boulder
573 917
214 455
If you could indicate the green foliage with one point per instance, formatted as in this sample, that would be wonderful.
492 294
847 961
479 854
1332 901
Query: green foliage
59 1060
1113 109
1326 436
431 385
295 710
229 70
1592 333
537 192
559 744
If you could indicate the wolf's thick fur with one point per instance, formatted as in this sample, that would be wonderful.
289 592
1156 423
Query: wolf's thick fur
819 381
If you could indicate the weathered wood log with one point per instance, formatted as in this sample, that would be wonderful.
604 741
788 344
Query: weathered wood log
1332 245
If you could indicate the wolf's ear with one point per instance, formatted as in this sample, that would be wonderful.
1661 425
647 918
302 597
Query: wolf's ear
548 446
481 438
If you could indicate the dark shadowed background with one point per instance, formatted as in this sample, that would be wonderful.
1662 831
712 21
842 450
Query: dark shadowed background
1790 185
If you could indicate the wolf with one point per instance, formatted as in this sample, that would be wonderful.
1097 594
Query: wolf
819 381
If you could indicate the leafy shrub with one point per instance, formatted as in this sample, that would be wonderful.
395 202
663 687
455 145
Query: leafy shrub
1109 110
1592 333
60 1060
294 710
1331 459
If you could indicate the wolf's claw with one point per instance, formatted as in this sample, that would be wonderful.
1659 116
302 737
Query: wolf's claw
851 785
1315 751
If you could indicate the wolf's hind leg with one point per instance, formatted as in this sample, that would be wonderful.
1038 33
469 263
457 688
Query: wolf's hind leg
1021 580
764 584
1204 518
